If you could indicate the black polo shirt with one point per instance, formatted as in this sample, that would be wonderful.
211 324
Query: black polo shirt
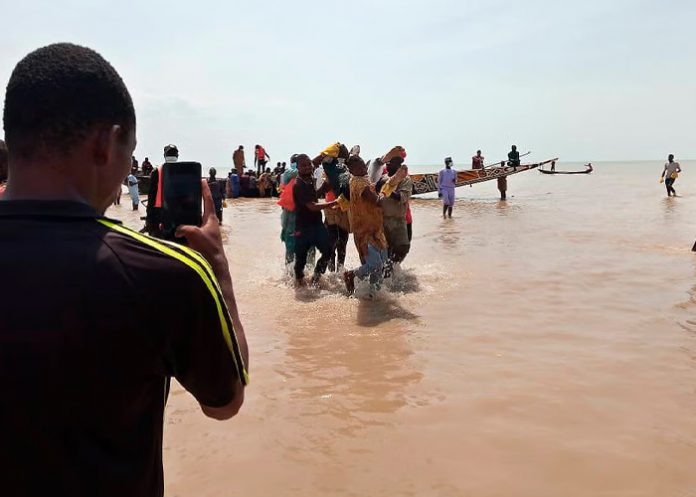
95 319
304 193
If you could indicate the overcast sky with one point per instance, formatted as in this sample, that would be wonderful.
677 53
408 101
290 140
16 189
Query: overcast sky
584 80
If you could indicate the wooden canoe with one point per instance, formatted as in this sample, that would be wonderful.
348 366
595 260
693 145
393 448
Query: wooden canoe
546 171
427 183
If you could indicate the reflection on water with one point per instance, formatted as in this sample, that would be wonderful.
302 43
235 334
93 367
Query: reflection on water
384 308
349 378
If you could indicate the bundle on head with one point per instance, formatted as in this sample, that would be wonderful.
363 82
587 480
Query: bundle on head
397 151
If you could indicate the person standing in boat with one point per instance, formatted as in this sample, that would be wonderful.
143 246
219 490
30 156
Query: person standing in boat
669 175
239 161
147 167
446 182
513 157
477 161
260 159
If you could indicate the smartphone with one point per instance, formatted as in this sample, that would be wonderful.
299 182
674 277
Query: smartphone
181 197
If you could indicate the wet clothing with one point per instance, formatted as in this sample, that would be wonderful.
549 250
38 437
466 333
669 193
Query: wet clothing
306 238
448 197
309 229
97 321
366 218
375 260
669 183
396 233
395 209
287 233
303 192
338 225
502 187
671 168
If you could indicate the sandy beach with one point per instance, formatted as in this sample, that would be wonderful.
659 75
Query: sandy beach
541 347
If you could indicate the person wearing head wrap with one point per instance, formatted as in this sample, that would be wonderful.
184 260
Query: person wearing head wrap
238 160
336 172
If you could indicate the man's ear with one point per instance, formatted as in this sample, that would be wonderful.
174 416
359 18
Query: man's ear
106 143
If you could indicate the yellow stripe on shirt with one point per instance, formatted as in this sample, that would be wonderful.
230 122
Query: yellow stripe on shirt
202 268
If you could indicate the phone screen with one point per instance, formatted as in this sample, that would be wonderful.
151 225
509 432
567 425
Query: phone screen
181 196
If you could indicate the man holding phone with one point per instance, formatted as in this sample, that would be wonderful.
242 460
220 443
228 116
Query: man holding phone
97 318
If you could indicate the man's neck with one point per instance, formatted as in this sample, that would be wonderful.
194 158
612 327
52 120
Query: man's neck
39 183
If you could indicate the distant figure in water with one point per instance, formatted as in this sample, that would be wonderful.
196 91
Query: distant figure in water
502 187
553 165
589 167
446 181
513 157
477 161
669 175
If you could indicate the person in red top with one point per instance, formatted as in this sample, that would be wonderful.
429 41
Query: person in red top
260 159
477 161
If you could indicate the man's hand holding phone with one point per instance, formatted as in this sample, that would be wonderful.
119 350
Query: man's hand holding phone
206 239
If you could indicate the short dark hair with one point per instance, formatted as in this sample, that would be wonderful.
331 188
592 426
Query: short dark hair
57 94
354 160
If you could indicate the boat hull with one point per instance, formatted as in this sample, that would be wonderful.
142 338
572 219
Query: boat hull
427 183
